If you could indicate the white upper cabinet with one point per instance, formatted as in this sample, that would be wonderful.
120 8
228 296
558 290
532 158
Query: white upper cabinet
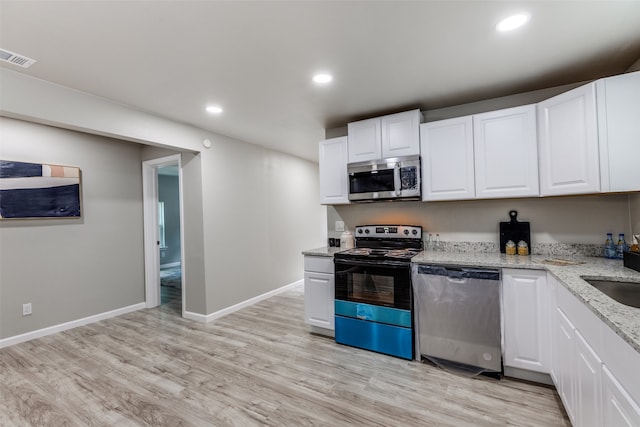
447 159
506 155
334 184
400 134
394 135
618 100
568 143
526 324
365 140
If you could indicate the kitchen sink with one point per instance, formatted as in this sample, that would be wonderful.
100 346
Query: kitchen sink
627 293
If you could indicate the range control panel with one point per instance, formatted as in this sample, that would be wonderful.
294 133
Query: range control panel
389 231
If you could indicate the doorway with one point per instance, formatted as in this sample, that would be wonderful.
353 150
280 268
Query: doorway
169 237
163 234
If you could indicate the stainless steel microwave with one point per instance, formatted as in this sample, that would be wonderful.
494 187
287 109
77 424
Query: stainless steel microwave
394 178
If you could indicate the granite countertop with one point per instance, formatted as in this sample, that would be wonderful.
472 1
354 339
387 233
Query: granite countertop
624 320
323 251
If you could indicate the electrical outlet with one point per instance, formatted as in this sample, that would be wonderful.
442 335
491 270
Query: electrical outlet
26 309
339 225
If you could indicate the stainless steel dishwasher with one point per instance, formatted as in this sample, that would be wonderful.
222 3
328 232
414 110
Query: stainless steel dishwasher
457 317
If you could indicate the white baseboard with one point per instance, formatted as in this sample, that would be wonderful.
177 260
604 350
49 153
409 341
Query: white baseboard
195 316
6 342
220 313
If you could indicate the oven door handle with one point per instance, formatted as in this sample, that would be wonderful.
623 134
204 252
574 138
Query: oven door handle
372 263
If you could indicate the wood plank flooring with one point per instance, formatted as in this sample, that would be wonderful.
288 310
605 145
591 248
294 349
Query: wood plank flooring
258 366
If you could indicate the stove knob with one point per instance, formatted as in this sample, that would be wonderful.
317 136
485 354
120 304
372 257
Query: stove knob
360 231
366 231
406 232
414 231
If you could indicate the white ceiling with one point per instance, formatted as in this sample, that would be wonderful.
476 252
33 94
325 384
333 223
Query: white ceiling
256 58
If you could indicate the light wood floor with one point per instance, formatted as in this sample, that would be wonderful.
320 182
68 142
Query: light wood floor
258 366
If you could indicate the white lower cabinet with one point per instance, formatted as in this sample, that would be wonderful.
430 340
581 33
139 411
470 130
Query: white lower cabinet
564 366
618 409
319 293
594 370
552 303
526 327
588 384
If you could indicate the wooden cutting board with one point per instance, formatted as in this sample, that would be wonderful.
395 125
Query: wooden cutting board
514 230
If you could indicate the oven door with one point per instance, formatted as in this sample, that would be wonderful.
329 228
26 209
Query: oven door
381 283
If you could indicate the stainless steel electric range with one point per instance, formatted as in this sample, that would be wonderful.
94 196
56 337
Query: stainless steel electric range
373 296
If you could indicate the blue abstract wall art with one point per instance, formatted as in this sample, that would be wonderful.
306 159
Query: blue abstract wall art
34 190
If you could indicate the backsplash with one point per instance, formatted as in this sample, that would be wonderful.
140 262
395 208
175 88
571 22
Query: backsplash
549 249
559 225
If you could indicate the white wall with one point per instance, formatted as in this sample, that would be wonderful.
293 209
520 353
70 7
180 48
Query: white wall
72 268
233 193
580 219
40 101
634 213
262 211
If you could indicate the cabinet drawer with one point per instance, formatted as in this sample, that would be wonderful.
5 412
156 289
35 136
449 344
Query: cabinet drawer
387 339
623 361
319 264
589 325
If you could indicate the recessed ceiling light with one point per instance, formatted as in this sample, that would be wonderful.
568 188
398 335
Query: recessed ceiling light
322 78
214 109
512 22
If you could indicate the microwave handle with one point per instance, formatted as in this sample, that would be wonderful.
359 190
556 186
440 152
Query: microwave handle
397 184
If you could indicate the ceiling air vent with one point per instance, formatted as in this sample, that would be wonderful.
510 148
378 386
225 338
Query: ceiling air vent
14 58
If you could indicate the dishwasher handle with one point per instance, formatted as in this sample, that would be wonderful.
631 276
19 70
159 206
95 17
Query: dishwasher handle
459 272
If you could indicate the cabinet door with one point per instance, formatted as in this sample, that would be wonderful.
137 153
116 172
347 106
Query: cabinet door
565 344
447 159
568 143
318 299
365 141
618 129
526 323
506 155
552 304
334 183
588 384
400 134
618 407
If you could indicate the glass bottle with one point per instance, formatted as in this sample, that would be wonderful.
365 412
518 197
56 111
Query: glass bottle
621 246
609 250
